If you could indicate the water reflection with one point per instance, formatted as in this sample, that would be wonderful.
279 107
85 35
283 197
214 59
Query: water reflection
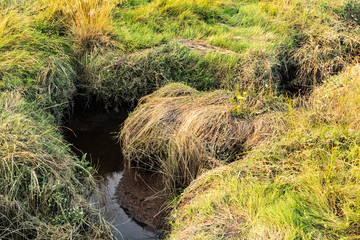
95 136
126 227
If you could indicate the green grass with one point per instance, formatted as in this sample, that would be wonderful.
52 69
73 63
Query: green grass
273 36
259 45
121 80
34 59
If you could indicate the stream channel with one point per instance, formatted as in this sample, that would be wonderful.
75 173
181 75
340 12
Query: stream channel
131 202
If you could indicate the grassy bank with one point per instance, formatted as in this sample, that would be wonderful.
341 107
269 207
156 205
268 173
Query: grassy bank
232 45
43 186
303 184
180 132
286 41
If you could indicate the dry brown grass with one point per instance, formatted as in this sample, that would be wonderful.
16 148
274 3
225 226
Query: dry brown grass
325 52
178 132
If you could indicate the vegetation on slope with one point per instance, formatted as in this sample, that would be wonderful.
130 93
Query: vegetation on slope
303 184
34 59
233 45
286 41
42 186
180 132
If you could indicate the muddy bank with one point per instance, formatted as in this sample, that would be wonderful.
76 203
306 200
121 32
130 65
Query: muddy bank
143 196
132 203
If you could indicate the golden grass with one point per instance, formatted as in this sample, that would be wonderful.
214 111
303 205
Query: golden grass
178 132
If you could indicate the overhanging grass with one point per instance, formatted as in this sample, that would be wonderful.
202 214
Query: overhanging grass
119 79
180 132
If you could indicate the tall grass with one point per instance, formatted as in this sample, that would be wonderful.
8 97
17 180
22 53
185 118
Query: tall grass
34 60
43 187
89 22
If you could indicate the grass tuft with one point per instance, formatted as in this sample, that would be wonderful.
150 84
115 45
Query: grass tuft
179 132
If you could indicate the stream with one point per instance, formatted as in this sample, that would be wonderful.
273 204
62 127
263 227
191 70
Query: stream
131 202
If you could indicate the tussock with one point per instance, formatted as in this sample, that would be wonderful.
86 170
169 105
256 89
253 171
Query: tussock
178 132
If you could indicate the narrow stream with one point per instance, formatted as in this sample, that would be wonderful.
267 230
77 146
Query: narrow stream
94 134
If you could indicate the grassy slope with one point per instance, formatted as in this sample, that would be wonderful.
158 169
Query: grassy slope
304 184
267 34
264 44
43 186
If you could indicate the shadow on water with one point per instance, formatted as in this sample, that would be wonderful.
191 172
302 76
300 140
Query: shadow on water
94 133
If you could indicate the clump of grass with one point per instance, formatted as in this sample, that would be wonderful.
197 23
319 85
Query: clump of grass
43 187
179 132
88 21
303 184
352 11
34 60
119 79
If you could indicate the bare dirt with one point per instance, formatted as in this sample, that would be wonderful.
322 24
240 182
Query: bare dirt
141 194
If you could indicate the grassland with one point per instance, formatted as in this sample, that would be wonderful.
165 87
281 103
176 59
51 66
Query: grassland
232 65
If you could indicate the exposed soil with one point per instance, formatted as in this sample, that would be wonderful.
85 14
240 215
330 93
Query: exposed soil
141 194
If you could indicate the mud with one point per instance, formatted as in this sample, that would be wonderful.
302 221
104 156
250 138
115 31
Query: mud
142 195
133 203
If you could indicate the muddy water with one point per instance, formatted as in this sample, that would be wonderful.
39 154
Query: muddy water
133 204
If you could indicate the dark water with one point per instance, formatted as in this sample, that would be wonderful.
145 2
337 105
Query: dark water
95 136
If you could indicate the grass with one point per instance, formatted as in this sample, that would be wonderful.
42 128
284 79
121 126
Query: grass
43 186
121 80
284 39
301 185
233 45
88 22
35 60
180 132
